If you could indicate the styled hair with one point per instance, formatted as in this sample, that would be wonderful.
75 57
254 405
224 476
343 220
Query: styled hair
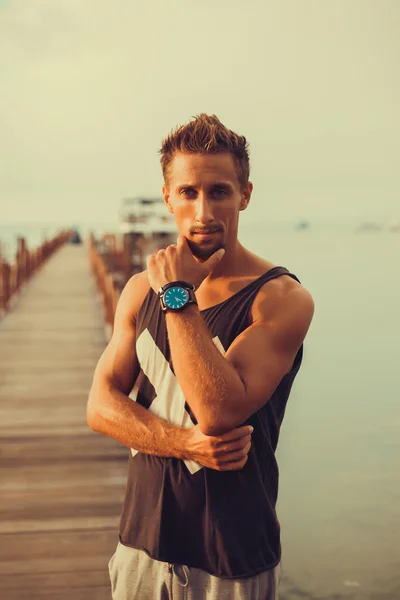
205 134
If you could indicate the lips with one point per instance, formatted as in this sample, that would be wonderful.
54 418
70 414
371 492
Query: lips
204 237
207 232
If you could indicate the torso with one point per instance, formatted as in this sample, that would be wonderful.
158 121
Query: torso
251 521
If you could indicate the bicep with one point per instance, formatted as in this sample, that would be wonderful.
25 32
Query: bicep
118 364
261 363
265 351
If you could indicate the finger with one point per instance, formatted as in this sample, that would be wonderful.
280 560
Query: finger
214 259
235 456
150 260
160 256
233 466
230 447
182 241
234 434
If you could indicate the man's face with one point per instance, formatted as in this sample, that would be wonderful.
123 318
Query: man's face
205 196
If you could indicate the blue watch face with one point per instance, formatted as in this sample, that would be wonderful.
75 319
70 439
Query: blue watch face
176 297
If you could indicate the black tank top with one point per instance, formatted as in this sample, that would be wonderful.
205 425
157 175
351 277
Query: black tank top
177 511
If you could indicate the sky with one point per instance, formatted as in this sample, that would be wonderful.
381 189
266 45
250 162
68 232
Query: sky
88 90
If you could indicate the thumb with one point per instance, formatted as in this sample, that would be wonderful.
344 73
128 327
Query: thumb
214 259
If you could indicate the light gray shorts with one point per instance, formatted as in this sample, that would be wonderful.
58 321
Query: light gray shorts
136 576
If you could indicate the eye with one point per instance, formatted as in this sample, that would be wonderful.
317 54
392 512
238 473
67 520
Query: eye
188 192
219 192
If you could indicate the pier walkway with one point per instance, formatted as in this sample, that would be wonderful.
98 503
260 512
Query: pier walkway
61 485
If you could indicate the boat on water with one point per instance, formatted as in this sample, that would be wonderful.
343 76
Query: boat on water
394 227
146 216
301 225
369 226
146 227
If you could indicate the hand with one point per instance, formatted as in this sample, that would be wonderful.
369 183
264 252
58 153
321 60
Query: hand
227 452
177 263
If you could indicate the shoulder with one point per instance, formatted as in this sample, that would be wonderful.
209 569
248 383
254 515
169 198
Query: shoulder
285 305
133 295
138 283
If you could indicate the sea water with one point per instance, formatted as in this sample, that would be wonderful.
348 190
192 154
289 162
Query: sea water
339 450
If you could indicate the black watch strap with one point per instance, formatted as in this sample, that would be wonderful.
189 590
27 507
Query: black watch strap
184 284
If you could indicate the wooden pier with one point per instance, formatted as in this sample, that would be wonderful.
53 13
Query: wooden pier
61 485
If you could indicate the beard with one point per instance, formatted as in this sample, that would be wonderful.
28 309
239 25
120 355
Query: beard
204 251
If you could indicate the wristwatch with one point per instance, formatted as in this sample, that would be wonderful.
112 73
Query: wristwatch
176 295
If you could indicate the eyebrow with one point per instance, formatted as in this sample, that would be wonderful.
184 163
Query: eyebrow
224 184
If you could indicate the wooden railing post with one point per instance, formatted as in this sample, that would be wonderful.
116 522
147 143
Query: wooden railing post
105 284
4 286
14 276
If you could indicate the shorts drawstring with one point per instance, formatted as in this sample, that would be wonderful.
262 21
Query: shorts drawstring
183 578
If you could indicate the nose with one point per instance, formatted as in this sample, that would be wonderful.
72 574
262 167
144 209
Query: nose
204 212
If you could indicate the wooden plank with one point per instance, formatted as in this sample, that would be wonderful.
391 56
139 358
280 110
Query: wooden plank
33 509
71 446
93 524
74 578
95 593
69 543
37 366
61 485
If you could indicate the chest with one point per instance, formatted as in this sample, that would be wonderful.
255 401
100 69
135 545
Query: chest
212 294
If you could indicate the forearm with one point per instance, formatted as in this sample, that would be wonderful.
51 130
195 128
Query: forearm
114 414
211 385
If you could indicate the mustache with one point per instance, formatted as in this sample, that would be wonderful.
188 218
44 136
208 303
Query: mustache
205 230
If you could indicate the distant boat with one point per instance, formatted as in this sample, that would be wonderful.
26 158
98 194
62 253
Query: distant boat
146 227
395 227
369 226
148 217
302 225
75 237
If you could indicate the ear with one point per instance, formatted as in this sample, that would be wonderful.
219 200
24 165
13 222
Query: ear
166 195
246 195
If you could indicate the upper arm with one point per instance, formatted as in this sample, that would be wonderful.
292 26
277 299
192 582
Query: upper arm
118 365
264 352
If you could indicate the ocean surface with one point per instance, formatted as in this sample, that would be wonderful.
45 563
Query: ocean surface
339 450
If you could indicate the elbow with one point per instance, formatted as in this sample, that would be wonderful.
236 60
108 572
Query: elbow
98 405
218 426
213 429
225 417
92 412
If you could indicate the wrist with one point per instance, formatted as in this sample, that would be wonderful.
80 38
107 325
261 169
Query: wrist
176 296
190 310
181 438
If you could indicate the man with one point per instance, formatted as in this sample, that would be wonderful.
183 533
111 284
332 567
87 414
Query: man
211 335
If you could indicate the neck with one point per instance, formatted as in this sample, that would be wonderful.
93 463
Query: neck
231 263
